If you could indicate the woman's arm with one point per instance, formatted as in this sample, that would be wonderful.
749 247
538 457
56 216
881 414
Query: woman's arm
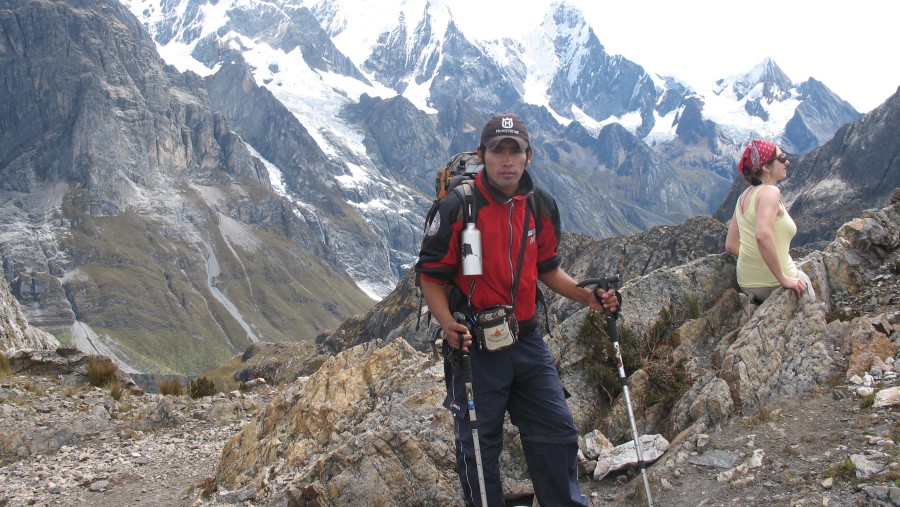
733 238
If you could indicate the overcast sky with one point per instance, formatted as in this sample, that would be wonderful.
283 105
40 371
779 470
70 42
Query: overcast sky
852 47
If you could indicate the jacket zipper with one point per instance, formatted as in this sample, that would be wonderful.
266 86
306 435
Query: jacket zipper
512 205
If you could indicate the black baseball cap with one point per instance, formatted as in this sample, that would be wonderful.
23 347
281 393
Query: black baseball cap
505 126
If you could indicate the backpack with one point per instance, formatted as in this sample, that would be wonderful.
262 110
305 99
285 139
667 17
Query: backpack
457 174
459 168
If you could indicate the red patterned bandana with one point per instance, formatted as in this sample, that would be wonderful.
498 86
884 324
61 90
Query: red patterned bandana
756 154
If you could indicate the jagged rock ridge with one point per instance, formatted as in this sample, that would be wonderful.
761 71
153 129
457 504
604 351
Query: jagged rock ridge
341 434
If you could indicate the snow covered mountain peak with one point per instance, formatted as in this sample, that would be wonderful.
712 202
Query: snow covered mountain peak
364 79
766 80
359 27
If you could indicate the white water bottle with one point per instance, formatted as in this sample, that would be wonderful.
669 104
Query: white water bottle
471 250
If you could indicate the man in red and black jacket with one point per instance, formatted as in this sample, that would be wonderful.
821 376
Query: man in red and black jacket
522 378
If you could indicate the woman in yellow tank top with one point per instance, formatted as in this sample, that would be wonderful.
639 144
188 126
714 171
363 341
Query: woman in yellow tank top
761 229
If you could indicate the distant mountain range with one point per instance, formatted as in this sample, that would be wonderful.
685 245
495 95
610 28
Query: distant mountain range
387 94
168 211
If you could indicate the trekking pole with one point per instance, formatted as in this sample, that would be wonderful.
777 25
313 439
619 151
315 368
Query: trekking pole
607 283
473 420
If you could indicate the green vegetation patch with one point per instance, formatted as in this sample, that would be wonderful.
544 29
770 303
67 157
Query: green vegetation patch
667 379
147 288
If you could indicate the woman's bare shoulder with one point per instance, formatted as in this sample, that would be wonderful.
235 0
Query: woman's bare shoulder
769 190
769 193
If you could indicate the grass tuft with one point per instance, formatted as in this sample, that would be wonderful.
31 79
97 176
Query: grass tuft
170 387
867 401
693 306
35 390
116 389
100 370
844 470
5 367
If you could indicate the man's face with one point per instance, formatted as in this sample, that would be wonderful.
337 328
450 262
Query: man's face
505 164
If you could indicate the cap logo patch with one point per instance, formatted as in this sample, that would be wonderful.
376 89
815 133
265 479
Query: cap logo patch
507 123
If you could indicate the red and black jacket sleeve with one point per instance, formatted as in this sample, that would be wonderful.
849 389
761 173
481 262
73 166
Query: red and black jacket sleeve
439 256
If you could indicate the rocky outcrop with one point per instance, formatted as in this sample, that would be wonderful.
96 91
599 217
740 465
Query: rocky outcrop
364 427
376 407
15 332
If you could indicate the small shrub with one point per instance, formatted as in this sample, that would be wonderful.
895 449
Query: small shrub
660 333
201 387
867 401
100 370
693 306
209 487
593 338
170 387
667 383
762 415
5 367
35 390
116 389
842 314
844 470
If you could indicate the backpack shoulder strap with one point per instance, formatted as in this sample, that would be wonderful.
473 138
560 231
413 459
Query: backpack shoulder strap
432 211
469 208
543 204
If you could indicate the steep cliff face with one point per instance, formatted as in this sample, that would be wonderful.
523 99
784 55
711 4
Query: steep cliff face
815 119
136 222
15 331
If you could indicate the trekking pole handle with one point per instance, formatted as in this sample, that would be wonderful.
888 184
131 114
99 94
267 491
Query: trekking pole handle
467 372
605 283
462 319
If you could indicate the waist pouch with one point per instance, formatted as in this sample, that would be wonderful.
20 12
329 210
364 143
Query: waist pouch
496 328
